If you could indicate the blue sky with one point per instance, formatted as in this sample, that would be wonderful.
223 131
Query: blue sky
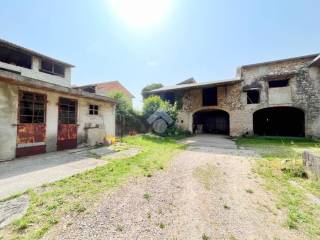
204 39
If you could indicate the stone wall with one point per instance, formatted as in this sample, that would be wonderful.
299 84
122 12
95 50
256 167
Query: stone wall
229 100
304 89
307 98
303 92
253 72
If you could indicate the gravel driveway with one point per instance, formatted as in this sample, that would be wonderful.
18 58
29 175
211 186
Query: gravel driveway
208 192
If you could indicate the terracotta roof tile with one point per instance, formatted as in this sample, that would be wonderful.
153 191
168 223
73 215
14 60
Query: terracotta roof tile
104 88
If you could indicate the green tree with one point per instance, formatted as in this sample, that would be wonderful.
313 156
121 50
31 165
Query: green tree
150 87
151 104
155 103
123 108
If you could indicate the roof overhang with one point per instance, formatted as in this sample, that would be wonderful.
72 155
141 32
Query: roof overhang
14 78
310 56
195 86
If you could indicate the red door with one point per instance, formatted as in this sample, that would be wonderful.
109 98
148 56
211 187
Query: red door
67 126
31 129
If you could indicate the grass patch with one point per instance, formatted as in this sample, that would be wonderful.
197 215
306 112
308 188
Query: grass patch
73 195
281 163
225 206
11 197
249 191
205 175
147 196
161 225
204 237
119 228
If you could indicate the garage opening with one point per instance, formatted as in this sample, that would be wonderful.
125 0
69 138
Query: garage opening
279 121
211 121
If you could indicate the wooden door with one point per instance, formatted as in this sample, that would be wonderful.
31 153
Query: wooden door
67 124
31 128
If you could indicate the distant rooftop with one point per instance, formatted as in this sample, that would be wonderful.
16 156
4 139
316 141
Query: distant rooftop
108 87
31 52
195 85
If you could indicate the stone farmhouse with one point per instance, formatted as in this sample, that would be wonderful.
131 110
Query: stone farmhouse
40 111
276 98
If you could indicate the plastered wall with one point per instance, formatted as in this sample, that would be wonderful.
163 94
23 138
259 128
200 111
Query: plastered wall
8 118
36 74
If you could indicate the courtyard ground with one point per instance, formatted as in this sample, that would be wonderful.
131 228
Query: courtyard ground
208 192
214 189
50 203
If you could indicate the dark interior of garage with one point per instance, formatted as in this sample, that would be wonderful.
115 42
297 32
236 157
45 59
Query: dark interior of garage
279 121
214 122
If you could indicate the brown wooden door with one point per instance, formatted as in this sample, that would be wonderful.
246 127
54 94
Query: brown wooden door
67 125
31 128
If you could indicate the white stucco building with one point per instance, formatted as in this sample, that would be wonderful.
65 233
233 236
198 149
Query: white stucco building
40 112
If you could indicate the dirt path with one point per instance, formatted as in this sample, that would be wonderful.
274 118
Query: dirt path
209 192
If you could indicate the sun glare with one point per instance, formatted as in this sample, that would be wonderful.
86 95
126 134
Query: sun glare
141 13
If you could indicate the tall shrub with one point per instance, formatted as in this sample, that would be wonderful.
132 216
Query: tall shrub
127 119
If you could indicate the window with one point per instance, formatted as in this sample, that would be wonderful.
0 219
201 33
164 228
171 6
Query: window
32 108
67 111
169 97
52 68
278 83
93 109
209 97
14 57
253 96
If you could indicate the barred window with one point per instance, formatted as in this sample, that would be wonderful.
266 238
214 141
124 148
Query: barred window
32 107
67 111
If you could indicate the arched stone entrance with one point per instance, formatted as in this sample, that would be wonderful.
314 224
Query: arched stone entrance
214 121
279 121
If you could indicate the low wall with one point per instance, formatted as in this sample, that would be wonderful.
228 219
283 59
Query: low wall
311 163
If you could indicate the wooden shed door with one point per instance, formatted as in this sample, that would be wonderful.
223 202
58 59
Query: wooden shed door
31 129
67 126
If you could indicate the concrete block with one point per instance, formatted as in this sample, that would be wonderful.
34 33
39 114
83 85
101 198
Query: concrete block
311 163
95 136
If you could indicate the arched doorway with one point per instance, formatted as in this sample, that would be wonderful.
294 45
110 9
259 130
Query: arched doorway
211 121
279 121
